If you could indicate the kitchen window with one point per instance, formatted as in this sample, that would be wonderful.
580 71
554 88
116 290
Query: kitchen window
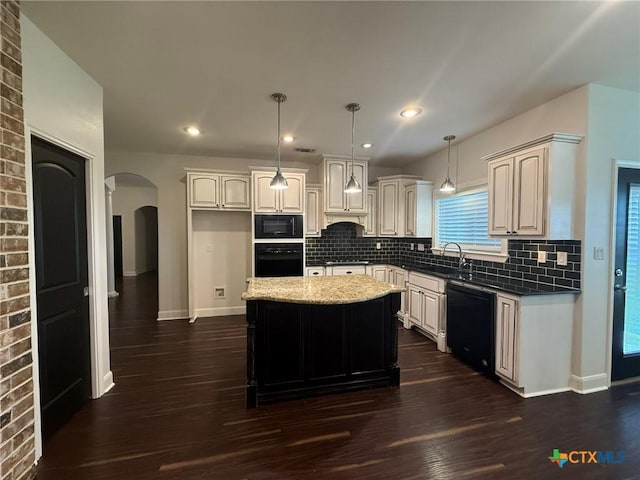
464 219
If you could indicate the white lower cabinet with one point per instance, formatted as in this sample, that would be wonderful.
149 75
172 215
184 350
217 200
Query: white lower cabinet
380 272
506 337
314 272
534 337
426 303
346 270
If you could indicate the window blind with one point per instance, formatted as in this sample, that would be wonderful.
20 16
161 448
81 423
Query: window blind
464 219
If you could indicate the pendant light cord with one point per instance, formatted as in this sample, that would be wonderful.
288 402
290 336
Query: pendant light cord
279 102
449 156
353 133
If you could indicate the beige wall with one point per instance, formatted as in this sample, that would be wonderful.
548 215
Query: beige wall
127 202
167 173
609 119
614 133
64 105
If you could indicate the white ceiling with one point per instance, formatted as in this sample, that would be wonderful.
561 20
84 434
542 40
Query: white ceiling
468 65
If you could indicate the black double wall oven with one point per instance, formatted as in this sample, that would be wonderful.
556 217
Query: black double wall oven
283 255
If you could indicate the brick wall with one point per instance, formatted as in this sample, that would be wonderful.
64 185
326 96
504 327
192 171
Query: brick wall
17 445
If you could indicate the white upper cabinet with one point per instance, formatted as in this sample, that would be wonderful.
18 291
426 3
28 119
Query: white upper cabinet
392 204
313 211
388 199
267 200
531 188
337 172
210 190
371 223
418 207
235 192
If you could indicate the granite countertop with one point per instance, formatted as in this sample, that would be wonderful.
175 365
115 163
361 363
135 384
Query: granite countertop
319 290
495 282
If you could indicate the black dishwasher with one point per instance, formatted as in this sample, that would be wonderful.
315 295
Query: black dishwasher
471 326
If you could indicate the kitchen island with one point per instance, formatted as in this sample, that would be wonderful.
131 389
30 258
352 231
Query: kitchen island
319 335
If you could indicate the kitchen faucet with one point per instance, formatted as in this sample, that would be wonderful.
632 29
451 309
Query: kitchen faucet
462 262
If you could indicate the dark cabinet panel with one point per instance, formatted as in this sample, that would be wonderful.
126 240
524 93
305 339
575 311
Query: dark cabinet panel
369 350
296 350
282 344
327 337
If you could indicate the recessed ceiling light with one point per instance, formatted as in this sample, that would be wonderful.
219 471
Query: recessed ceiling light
288 138
367 145
193 131
411 112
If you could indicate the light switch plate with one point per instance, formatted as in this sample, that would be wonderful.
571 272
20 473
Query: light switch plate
542 256
598 253
562 259
413 246
378 246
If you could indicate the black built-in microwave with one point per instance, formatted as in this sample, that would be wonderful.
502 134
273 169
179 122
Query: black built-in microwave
278 226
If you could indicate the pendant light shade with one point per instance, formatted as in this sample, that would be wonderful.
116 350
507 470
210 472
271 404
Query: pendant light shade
353 186
278 182
448 186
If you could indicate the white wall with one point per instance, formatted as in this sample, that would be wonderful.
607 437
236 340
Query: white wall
64 105
167 173
614 133
222 247
567 114
610 120
127 199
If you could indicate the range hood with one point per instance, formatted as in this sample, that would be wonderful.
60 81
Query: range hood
358 220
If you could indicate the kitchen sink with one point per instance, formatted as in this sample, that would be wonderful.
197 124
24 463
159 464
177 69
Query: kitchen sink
442 270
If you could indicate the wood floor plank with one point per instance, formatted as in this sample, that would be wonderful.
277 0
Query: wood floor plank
177 412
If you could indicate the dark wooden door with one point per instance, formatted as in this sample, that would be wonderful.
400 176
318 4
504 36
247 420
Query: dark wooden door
59 192
626 295
117 245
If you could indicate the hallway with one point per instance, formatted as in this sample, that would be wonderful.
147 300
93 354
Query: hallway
177 412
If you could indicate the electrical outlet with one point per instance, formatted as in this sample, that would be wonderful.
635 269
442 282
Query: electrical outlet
413 246
378 246
562 259
421 247
218 292
542 256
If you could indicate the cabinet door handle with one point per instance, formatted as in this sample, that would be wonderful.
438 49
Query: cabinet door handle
514 232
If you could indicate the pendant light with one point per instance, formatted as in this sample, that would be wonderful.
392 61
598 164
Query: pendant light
448 186
278 182
352 185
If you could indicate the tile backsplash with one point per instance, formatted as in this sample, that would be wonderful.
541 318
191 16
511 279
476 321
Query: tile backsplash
339 242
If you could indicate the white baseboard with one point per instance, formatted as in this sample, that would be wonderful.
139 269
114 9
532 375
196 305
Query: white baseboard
172 315
589 384
107 382
221 311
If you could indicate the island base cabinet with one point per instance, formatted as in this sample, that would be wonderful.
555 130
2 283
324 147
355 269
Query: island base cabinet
296 350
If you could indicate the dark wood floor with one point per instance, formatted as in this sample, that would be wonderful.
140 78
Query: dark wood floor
177 412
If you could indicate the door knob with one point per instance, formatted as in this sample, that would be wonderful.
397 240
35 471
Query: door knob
617 287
